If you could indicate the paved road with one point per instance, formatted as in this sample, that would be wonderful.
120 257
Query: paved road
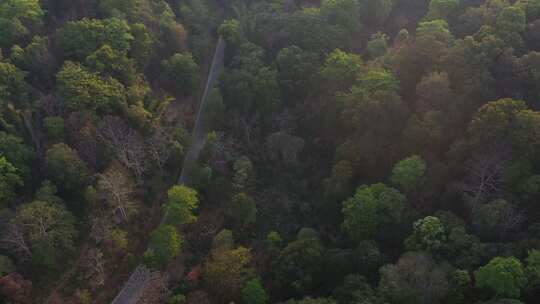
134 287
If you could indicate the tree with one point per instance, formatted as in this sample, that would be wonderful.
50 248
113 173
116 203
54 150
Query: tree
80 38
16 19
13 88
355 289
9 180
182 72
55 127
254 293
181 203
126 143
442 9
408 174
299 267
415 278
297 72
375 13
242 209
503 276
341 68
17 153
344 14
494 220
16 289
84 90
47 228
165 244
371 209
226 273
533 267
6 266
65 168
428 235
113 63
243 173
117 189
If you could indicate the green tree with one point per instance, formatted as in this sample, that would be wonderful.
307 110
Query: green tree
226 273
242 209
165 244
9 180
181 203
55 127
428 235
355 289
341 68
13 88
183 73
80 38
503 276
442 9
298 268
110 62
254 293
84 90
408 174
17 17
345 14
6 266
49 229
533 267
371 209
65 168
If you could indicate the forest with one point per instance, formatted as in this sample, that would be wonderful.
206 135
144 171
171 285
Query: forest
270 151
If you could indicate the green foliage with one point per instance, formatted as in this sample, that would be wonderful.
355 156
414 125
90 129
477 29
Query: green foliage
181 203
231 31
254 293
165 244
274 240
6 265
65 168
341 68
183 72
224 240
442 9
299 266
355 289
84 90
49 244
13 88
370 209
345 14
78 39
408 174
16 19
428 235
227 272
533 267
177 299
55 127
110 62
242 209
503 276
9 180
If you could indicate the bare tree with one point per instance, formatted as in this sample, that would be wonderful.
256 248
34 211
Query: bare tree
511 220
127 144
158 146
117 189
94 265
484 177
13 240
156 290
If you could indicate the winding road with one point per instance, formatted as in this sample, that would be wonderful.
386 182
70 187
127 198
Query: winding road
141 276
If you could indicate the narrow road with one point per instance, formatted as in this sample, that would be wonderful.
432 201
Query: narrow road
134 287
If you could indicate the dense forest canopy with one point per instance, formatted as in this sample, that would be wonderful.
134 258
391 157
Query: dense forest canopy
270 151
